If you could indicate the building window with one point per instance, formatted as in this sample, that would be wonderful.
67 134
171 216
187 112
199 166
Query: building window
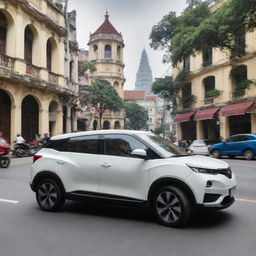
28 45
107 52
207 57
95 51
119 52
186 63
239 80
187 97
209 86
3 32
49 55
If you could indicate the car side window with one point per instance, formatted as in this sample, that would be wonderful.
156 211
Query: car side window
123 145
59 145
84 144
231 139
242 138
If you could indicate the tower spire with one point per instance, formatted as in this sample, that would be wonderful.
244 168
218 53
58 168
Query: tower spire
106 15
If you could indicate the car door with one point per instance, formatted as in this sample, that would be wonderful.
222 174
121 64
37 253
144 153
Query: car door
121 173
80 163
229 145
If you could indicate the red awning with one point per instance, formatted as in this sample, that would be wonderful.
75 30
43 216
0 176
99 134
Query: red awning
185 117
237 109
206 114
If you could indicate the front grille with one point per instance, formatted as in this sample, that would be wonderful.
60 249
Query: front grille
210 198
227 172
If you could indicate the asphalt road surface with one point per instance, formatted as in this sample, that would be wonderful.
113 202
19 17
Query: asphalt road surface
90 230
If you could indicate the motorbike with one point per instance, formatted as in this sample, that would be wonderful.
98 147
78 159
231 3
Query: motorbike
4 154
26 149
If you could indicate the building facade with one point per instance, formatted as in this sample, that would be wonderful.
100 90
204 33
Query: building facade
217 101
36 95
147 101
106 53
144 77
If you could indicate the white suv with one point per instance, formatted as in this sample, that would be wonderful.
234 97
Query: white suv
131 168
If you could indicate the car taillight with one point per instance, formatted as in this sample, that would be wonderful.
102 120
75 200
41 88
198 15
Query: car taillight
36 157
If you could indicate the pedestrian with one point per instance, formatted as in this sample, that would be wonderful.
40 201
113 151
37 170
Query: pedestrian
46 138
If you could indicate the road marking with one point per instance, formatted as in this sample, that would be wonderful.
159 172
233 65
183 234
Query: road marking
246 200
8 201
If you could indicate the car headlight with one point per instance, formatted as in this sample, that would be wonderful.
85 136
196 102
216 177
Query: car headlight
226 172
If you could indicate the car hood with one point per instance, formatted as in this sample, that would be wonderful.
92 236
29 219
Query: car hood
203 162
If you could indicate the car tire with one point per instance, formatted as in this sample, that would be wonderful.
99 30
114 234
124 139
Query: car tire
49 195
216 153
5 162
171 206
249 154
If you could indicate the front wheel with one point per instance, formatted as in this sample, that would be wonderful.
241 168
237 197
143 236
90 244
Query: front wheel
5 162
248 154
49 195
216 153
171 206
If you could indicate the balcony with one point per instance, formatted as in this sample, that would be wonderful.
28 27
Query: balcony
208 101
238 93
6 62
53 78
33 70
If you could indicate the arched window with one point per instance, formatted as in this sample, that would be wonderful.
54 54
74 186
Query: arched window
3 33
107 52
119 52
28 45
95 51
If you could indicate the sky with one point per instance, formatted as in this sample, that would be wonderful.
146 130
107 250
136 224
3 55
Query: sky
134 19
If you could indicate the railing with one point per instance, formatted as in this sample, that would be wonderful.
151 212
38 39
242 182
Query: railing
238 93
52 78
208 101
32 70
6 62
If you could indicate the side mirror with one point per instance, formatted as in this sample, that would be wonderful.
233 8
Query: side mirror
139 152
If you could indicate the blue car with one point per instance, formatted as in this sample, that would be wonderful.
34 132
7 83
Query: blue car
236 145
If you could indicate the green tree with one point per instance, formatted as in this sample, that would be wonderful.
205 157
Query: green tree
84 66
137 116
199 29
102 96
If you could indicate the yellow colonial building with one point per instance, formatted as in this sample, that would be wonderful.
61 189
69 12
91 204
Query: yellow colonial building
106 53
215 103
37 68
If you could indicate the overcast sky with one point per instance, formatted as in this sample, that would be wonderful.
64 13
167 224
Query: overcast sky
134 19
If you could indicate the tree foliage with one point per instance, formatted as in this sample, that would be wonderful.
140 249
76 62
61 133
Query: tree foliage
137 116
102 96
198 29
84 66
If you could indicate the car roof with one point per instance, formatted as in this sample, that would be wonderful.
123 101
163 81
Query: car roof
97 132
245 134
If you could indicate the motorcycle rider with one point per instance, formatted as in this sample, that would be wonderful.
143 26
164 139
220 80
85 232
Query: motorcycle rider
19 139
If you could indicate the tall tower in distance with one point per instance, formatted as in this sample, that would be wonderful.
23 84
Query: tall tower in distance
106 53
144 77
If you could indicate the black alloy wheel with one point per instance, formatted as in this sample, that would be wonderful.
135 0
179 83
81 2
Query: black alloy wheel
49 195
171 206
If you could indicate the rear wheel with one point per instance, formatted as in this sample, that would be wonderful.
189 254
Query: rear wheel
49 195
248 154
171 206
216 153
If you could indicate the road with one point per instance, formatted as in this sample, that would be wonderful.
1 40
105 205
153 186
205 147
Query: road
91 230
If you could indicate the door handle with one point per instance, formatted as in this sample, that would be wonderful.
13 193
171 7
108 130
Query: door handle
60 162
106 165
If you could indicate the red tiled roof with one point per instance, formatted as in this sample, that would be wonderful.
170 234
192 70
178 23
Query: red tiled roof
106 27
134 94
151 98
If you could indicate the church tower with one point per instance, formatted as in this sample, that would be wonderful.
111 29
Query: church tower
144 77
106 53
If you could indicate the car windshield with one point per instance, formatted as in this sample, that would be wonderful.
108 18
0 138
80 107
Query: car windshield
164 146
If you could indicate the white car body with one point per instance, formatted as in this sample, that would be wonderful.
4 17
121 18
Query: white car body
199 147
132 179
